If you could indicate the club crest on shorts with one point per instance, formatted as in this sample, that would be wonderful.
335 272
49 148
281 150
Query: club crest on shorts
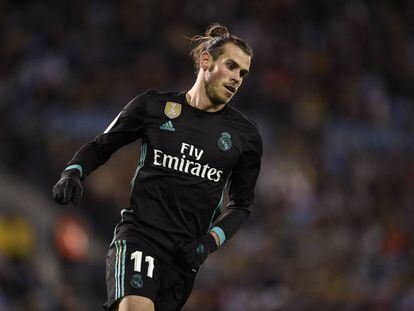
224 141
136 281
172 110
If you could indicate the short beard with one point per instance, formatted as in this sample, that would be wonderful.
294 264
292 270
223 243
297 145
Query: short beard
215 100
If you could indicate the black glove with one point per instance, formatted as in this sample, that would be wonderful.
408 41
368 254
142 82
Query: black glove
68 188
195 252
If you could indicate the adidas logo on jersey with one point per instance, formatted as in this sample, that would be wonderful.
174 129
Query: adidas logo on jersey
167 126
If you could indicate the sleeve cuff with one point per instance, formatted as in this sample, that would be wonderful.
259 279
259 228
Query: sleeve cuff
220 233
76 167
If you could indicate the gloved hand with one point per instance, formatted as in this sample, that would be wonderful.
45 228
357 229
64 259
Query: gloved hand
68 188
195 252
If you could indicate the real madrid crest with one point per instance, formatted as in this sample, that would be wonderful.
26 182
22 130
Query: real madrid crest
224 141
136 281
172 110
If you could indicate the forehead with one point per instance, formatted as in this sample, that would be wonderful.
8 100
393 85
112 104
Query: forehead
232 51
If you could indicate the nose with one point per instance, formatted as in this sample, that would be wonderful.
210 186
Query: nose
236 78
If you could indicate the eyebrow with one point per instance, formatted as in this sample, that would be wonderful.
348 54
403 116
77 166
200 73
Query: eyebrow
243 72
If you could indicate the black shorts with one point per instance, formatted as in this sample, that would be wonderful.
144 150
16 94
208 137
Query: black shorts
132 270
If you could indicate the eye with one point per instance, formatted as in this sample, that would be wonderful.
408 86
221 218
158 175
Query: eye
243 73
231 66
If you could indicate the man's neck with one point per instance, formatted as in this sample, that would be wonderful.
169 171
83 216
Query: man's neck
197 98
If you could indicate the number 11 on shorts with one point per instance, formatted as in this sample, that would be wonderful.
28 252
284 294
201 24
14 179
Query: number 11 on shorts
137 257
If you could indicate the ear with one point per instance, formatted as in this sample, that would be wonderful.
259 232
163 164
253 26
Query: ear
205 61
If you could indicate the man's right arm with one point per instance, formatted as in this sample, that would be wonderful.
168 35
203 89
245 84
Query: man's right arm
127 127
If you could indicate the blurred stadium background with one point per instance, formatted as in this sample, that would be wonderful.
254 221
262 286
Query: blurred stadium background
331 88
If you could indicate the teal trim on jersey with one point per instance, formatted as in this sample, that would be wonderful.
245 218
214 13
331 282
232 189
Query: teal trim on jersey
220 233
140 163
76 167
220 204
114 238
116 227
123 268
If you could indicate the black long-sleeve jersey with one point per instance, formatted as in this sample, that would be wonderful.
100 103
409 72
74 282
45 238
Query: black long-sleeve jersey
189 157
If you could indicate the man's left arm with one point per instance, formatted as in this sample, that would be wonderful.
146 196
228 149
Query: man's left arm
243 182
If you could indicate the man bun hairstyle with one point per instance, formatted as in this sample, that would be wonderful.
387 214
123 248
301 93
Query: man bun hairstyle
213 41
217 30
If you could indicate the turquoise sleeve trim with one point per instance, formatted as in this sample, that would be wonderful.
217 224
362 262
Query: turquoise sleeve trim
76 167
220 233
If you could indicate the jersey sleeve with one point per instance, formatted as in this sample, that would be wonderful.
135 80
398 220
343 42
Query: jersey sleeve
245 174
127 127
243 182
